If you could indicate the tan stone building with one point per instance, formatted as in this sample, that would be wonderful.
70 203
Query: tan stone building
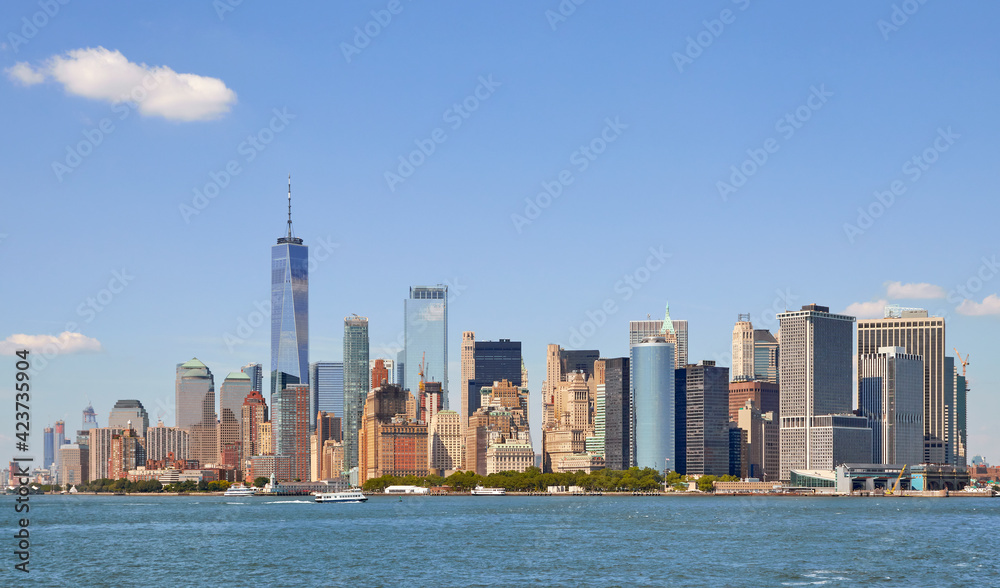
445 443
501 418
389 442
512 456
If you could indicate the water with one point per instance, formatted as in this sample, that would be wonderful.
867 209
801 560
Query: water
509 541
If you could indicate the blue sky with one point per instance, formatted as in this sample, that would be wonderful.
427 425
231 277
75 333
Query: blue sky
616 108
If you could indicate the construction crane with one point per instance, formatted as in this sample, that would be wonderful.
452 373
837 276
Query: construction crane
899 481
964 361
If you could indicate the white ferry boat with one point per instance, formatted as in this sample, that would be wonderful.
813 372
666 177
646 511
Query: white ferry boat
345 496
239 490
481 491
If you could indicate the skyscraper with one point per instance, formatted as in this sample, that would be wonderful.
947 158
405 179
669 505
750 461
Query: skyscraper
289 313
891 397
161 441
255 371
390 444
707 426
234 391
60 440
326 387
654 400
89 418
816 381
356 383
253 413
486 362
75 460
129 410
639 330
48 456
425 335
389 365
755 353
923 335
292 440
617 413
444 443
195 404
743 349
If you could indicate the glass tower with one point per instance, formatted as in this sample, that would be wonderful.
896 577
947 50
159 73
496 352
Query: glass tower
426 337
256 373
48 456
653 383
326 388
356 384
289 314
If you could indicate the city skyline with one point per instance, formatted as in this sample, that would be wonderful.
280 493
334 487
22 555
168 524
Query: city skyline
920 244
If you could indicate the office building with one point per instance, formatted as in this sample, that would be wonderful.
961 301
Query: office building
356 384
425 336
289 316
617 412
680 420
100 452
567 431
255 372
755 353
653 385
327 429
253 414
389 365
561 365
509 456
89 418
762 442
958 390
125 411
75 464
502 417
326 386
594 443
291 430
891 397
486 362
816 371
331 460
59 440
128 452
738 462
924 336
167 443
707 399
48 451
233 392
639 330
265 437
389 442
765 356
379 374
444 441
765 395
195 403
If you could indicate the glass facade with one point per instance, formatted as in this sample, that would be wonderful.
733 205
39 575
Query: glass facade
195 404
48 457
426 337
326 387
653 383
255 372
494 361
289 317
356 384
234 390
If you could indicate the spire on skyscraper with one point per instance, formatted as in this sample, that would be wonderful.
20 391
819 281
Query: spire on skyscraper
289 206
668 325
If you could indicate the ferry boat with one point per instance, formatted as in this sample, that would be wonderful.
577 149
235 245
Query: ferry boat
344 496
481 491
239 490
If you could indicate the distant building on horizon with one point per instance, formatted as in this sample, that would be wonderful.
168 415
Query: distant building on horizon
75 460
233 392
765 395
445 443
89 418
195 401
425 336
389 365
390 443
356 384
48 451
755 353
129 410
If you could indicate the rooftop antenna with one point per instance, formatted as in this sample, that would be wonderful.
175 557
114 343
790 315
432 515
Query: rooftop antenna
289 206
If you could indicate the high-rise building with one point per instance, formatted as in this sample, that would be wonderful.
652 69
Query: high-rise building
486 362
253 413
891 397
425 336
765 395
75 460
639 330
400 371
762 442
129 410
389 375
48 455
60 440
100 452
195 401
389 442
816 380
617 413
162 442
595 442
255 372
755 353
265 436
327 429
765 356
502 418
444 443
289 315
568 397
128 451
923 335
356 384
326 386
89 418
707 393
233 392
292 439
680 420
652 362
960 393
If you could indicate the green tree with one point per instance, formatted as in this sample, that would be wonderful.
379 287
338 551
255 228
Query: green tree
705 483
259 481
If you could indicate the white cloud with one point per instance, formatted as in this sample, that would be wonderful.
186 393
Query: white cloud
65 344
100 74
989 305
23 74
866 310
433 312
899 290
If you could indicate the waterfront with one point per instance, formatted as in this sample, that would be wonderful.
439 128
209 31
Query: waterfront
481 541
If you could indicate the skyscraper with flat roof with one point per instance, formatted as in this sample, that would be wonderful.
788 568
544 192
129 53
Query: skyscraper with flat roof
289 313
707 426
617 413
253 413
292 441
356 384
326 388
654 400
255 372
425 335
195 403
234 391
891 397
161 441
48 455
491 361
816 379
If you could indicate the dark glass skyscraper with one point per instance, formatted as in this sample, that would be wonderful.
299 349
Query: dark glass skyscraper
289 314
494 361
48 455
617 414
357 381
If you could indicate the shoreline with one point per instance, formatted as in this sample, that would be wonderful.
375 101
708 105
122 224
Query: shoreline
908 494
